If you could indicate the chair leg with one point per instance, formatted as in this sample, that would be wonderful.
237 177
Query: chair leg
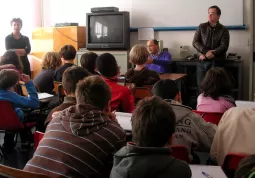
2 153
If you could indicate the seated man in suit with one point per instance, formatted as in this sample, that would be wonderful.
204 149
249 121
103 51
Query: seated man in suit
158 61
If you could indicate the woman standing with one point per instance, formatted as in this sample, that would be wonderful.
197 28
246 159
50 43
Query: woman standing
16 41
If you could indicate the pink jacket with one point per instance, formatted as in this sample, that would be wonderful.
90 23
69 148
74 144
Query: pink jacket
208 104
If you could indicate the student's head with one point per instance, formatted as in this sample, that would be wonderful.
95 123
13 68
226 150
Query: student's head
95 91
138 55
167 89
216 83
10 57
153 123
71 77
67 53
152 46
16 24
246 168
88 61
214 14
106 65
8 78
51 60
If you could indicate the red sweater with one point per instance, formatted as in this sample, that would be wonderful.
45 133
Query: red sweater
122 98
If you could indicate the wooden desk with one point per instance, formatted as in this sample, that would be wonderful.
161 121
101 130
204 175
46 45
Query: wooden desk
172 76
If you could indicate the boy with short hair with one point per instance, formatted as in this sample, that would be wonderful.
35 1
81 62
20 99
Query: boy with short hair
192 131
79 140
67 54
8 79
71 77
122 99
153 127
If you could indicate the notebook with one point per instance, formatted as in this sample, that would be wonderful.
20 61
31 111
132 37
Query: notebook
124 119
202 171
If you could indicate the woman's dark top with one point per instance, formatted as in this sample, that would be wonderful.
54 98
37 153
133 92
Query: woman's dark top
44 80
21 43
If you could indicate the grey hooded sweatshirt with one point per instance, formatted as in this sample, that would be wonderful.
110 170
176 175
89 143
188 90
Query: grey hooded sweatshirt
145 162
191 130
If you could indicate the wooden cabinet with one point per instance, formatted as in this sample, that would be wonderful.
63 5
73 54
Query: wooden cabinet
45 39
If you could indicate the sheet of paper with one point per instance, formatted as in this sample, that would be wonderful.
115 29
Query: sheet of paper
44 95
124 120
213 171
145 33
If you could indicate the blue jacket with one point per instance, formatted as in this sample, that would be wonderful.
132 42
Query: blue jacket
19 102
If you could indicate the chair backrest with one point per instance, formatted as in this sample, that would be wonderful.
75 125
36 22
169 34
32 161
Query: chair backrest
148 86
210 116
58 88
7 172
37 138
180 152
142 92
231 162
9 120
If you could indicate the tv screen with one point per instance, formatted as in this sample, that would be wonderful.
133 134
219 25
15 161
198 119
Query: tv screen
106 29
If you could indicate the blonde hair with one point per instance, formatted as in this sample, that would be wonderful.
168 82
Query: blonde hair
138 54
51 60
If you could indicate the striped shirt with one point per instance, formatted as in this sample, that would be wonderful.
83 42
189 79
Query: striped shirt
78 143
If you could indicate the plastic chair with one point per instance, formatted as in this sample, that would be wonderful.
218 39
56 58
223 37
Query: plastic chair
9 121
7 172
59 90
231 162
37 138
210 116
180 152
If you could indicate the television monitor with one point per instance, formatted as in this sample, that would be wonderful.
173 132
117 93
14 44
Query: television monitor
108 30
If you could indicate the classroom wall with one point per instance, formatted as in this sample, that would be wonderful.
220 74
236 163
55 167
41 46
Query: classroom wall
241 41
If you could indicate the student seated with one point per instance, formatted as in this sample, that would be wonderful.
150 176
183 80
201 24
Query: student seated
88 61
216 89
122 99
71 77
235 133
153 127
8 79
10 57
79 140
67 54
44 80
191 130
140 75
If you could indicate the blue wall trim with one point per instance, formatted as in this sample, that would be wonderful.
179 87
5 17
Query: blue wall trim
237 27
